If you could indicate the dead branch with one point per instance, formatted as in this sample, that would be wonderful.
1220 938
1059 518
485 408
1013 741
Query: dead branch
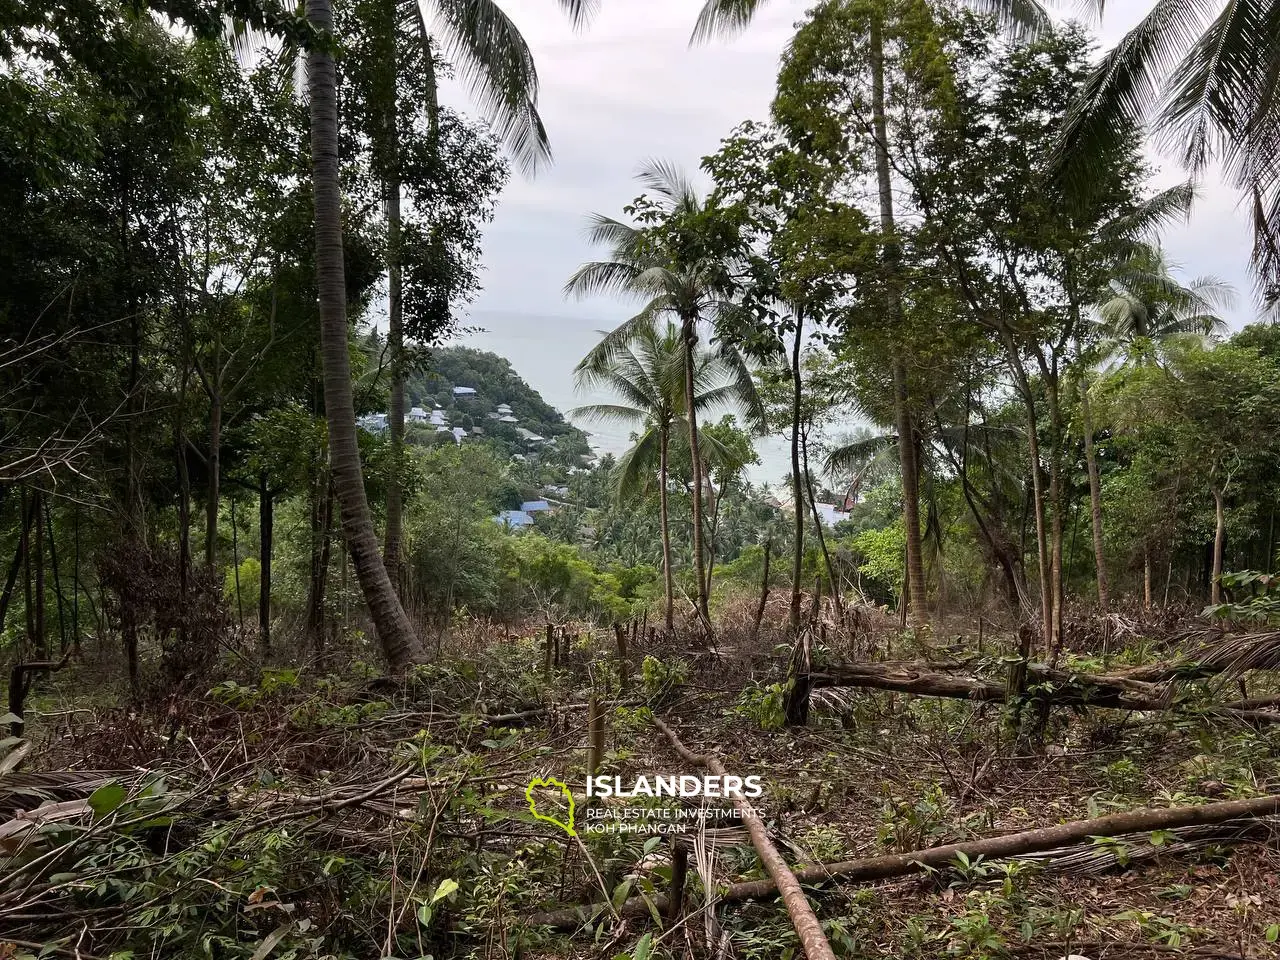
812 939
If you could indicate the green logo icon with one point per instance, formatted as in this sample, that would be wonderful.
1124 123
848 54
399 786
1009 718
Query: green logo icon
550 782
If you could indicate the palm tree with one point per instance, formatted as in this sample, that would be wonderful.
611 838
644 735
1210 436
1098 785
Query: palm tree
646 374
1143 315
484 29
1207 84
653 258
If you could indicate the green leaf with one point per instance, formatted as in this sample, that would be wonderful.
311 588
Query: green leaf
1273 933
107 798
447 886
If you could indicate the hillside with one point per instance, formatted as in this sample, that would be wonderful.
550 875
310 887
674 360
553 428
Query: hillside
481 393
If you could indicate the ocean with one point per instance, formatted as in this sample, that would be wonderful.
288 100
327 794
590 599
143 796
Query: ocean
545 349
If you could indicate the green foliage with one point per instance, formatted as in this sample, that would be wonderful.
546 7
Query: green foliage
762 705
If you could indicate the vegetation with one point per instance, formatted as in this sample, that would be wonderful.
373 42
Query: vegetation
315 624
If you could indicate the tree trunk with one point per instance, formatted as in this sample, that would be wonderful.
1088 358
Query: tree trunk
1219 545
915 588
395 303
215 457
812 940
764 589
266 532
1095 497
689 334
1146 576
817 530
797 481
668 575
40 638
1055 503
321 525
399 644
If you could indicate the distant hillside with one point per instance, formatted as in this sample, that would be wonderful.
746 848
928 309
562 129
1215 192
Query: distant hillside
453 371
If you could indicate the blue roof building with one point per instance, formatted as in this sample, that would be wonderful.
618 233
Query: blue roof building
515 519
535 506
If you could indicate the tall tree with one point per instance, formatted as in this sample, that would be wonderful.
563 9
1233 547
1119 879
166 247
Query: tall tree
645 372
672 255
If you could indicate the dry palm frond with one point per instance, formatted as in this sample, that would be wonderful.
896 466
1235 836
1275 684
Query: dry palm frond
1131 848
1232 654
839 701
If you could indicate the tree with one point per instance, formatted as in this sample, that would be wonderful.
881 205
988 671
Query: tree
646 373
671 254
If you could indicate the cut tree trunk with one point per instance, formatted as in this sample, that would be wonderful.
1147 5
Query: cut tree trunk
812 939
764 589
1219 545
399 643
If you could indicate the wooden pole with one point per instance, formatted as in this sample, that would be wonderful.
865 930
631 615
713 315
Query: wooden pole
547 651
596 731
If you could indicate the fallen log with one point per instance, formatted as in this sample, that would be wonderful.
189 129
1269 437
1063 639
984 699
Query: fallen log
1054 686
1005 846
812 939
1059 687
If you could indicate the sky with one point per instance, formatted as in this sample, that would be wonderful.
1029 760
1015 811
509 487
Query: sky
629 88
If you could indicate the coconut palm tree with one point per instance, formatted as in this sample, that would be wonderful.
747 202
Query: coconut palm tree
657 258
1204 76
646 375
488 34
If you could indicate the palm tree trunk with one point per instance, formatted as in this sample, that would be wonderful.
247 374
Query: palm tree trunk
395 299
797 481
1219 545
668 576
395 632
1095 497
266 533
689 334
901 407
1146 576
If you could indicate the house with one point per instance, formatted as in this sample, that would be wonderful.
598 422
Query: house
514 519
555 490
535 506
438 419
830 513
458 434
506 418
417 414
477 431
528 436
463 393
504 408
373 422
493 416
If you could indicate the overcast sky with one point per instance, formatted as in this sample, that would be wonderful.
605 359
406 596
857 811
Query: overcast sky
629 87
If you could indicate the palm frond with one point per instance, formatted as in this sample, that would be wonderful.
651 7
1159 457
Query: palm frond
610 413
1166 207
666 179
1124 89
495 63
723 18
601 276
1023 19
854 455
636 469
